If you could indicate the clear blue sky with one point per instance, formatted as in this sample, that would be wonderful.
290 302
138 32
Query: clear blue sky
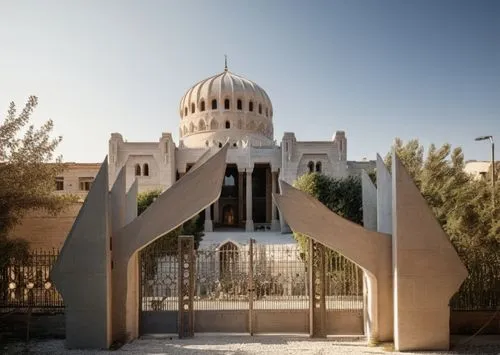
376 69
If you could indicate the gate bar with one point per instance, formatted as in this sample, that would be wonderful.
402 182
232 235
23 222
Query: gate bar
250 287
185 254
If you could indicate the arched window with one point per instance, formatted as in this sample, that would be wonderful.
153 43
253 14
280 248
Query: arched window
145 169
250 106
137 170
202 106
226 104
318 167
185 111
214 104
206 143
310 165
192 108
228 254
228 215
229 180
239 105
220 145
260 109
228 125
261 128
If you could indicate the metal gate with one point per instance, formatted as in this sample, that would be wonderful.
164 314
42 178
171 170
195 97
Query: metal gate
252 288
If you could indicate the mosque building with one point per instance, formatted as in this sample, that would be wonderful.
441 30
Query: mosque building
229 108
222 108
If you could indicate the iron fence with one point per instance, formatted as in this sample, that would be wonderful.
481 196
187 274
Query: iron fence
239 276
481 290
222 278
280 277
25 283
343 283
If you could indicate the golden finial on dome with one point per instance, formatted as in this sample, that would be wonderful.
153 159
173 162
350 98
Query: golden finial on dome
225 62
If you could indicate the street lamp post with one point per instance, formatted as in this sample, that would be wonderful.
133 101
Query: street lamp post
490 138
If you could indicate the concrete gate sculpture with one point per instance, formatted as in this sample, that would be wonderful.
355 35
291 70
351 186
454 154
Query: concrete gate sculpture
412 268
97 269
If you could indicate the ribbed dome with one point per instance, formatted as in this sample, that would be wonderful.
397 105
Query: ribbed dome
220 87
225 106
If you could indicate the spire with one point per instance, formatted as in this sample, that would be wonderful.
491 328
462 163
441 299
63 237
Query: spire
225 62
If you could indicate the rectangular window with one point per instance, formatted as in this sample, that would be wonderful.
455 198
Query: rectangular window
59 183
85 183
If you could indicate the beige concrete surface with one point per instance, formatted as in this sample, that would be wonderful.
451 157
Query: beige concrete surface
132 322
370 311
427 269
118 208
368 249
384 197
82 271
187 197
369 197
98 275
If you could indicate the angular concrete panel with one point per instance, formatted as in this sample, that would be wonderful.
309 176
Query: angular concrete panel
369 197
132 322
186 198
132 193
118 208
368 249
384 198
82 271
427 269
370 315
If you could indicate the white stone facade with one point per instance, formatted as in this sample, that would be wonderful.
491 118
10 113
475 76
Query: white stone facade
229 108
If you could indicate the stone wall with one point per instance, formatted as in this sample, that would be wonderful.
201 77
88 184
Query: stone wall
45 231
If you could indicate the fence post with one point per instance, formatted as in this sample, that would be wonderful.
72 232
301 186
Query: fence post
186 272
317 303
312 286
251 289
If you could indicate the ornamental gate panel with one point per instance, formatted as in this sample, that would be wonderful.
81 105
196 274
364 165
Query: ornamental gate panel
251 288
158 301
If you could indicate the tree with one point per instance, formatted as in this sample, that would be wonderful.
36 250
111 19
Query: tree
342 196
463 207
27 173
461 204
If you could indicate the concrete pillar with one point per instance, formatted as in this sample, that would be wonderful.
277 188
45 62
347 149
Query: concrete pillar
275 224
268 196
209 227
216 211
240 196
249 219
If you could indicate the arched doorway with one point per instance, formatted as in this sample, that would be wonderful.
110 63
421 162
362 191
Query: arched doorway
228 215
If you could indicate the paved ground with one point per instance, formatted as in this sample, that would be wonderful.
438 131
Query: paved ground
274 345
